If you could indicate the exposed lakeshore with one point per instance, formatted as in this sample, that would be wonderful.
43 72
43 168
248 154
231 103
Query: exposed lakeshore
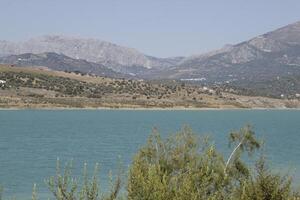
144 108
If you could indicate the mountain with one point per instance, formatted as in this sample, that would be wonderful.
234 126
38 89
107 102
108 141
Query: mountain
281 46
111 55
268 64
253 64
60 62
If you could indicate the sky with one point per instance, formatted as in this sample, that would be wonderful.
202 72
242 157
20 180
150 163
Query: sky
161 28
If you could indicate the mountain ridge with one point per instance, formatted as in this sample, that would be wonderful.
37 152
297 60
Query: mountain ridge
93 50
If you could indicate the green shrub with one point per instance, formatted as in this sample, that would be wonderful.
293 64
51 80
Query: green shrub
264 185
66 187
185 166
181 167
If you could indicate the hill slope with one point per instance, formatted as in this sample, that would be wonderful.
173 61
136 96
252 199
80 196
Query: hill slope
61 62
39 87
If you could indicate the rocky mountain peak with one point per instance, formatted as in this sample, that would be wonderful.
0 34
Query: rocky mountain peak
289 34
92 50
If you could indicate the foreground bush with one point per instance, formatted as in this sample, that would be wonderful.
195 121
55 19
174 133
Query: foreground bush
265 185
185 166
66 187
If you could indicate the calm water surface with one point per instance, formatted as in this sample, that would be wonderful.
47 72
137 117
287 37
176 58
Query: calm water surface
32 140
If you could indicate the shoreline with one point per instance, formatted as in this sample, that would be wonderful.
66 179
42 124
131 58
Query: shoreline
143 109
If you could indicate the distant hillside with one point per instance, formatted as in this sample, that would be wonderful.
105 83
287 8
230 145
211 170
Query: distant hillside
39 87
281 46
61 62
108 54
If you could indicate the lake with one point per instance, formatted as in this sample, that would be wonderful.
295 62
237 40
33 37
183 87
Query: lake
32 140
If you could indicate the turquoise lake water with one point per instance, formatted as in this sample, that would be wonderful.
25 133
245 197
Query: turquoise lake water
32 140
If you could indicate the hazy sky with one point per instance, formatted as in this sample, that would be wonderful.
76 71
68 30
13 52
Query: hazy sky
156 27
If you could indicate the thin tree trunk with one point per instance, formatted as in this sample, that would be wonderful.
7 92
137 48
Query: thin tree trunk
232 154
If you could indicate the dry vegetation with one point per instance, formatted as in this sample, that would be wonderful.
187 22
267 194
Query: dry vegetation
43 88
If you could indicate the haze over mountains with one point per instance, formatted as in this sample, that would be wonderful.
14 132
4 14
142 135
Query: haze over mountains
91 50
271 52
256 63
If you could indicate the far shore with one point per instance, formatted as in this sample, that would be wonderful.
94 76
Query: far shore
145 108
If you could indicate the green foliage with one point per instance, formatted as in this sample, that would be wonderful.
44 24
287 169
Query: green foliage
66 187
185 166
246 137
181 167
63 186
265 185
245 141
